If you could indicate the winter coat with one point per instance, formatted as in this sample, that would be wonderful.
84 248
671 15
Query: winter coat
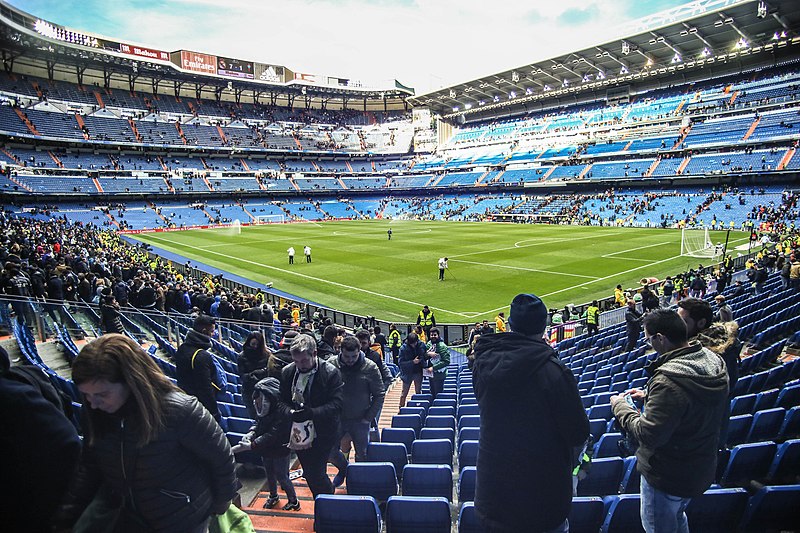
532 424
270 434
722 339
248 362
409 369
678 429
363 392
111 319
171 483
195 370
323 396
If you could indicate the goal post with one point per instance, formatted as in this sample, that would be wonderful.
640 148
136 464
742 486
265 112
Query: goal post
696 242
270 219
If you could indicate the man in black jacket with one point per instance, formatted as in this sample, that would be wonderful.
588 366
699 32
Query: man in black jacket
532 425
194 364
633 324
678 429
311 389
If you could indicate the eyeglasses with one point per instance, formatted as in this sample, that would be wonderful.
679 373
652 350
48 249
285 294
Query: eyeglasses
648 340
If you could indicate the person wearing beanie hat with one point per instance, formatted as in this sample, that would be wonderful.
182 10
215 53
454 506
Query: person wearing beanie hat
532 418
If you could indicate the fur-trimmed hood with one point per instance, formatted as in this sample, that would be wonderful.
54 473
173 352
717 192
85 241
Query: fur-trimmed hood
719 336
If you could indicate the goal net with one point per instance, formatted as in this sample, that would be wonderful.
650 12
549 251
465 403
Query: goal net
697 243
270 219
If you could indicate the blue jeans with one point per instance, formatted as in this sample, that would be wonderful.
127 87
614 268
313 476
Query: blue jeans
662 512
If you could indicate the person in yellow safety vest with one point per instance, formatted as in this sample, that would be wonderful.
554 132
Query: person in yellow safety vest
500 322
394 342
426 319
592 316
619 296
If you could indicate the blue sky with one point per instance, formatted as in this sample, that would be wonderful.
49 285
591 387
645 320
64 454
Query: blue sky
425 44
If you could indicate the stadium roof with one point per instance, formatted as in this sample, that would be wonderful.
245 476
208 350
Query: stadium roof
715 36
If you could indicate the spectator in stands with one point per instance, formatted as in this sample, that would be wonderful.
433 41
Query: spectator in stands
362 399
311 389
619 296
380 339
633 324
174 443
438 359
194 365
592 316
725 312
110 316
678 428
500 322
40 447
325 346
364 340
486 329
268 437
254 357
411 362
395 342
532 425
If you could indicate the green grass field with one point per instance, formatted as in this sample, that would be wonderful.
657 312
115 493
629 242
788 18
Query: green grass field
357 269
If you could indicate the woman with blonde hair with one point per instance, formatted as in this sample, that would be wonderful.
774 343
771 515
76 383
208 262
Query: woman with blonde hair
154 459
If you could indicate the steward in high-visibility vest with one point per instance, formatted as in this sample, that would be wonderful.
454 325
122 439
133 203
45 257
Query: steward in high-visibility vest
592 315
426 319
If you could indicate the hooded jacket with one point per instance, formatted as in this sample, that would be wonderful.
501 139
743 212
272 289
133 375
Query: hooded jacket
722 339
678 430
532 421
271 432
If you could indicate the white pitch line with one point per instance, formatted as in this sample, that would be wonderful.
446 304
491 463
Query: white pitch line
523 268
634 249
306 276
547 242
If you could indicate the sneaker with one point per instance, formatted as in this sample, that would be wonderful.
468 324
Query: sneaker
338 480
292 506
271 502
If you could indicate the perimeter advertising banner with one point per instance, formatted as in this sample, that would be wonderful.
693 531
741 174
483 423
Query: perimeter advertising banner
195 61
235 68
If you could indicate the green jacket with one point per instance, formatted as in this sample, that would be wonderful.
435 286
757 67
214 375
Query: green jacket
440 361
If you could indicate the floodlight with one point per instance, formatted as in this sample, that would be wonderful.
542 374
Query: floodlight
496 98
676 58
623 70
706 52
452 93
761 10
467 106
515 76
741 43
626 49
512 94
455 109
601 75
528 91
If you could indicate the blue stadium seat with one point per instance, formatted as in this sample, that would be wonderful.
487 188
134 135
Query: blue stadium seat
790 428
466 484
586 514
407 421
603 478
468 453
438 433
432 452
748 462
442 411
411 514
717 511
469 421
607 445
441 422
766 424
418 396
419 411
338 513
425 404
601 411
468 410
788 397
773 508
765 400
785 467
468 520
428 480
392 452
622 514
239 425
378 480
738 428
597 427
403 436
743 405
631 478
468 434
444 402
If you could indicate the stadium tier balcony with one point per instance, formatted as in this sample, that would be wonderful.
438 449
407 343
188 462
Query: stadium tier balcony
10 121
409 182
122 99
318 184
234 184
631 168
367 207
333 166
119 184
567 172
605 147
202 135
33 158
718 131
296 165
521 175
732 162
459 178
668 166
58 184
139 162
224 164
277 184
364 183
778 125
302 210
139 217
16 84
159 133
259 209
263 164
227 213
109 129
55 124
653 144
336 209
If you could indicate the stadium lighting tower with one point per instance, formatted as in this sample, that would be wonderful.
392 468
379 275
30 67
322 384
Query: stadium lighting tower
626 48
761 10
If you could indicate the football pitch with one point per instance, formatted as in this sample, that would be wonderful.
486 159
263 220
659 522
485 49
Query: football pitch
357 269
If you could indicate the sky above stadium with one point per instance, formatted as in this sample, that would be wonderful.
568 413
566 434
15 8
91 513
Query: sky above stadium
425 44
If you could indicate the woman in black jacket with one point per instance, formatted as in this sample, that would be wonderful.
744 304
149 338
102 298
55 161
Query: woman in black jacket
151 453
252 364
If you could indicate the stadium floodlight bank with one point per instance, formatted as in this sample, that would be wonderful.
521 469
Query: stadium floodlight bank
696 242
270 219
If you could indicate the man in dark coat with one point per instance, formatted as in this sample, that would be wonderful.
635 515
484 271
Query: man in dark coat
311 389
633 324
194 365
532 426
